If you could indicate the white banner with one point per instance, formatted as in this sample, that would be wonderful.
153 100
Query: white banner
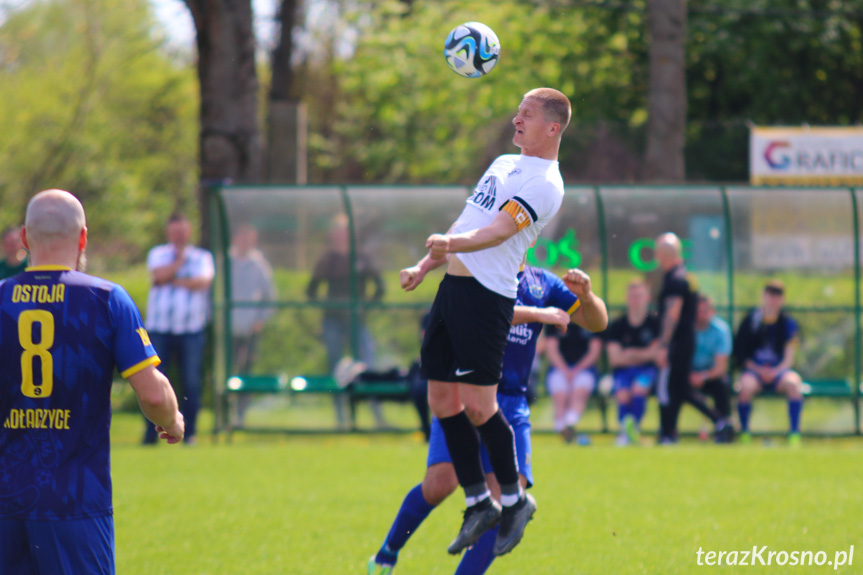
811 156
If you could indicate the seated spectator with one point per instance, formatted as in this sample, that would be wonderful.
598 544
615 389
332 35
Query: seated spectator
572 377
710 363
764 349
631 344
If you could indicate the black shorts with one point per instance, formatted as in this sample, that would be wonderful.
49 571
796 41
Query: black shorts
466 334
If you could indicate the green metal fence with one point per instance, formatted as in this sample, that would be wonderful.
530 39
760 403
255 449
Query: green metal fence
735 238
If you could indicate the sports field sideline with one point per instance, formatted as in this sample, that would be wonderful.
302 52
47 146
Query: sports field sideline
322 505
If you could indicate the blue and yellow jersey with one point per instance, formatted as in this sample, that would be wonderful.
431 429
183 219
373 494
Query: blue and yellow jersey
62 333
536 288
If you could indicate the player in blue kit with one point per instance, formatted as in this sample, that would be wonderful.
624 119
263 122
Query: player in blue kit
541 299
62 333
764 347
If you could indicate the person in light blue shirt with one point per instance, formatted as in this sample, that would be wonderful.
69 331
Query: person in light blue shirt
710 362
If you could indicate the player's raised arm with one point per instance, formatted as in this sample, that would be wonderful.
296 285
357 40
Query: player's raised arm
498 231
159 403
546 315
592 313
411 277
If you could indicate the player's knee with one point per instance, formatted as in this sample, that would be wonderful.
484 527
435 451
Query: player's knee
622 396
439 483
792 383
748 387
444 400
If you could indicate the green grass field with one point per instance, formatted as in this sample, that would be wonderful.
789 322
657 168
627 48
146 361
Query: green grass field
273 504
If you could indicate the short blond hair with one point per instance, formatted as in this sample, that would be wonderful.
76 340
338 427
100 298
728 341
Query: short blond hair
555 105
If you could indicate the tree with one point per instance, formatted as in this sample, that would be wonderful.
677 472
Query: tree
90 103
230 141
403 116
286 128
666 124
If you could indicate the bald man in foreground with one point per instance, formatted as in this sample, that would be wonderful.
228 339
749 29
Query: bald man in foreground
677 310
62 333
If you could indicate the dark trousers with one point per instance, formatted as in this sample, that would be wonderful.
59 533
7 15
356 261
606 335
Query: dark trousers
674 388
720 390
188 349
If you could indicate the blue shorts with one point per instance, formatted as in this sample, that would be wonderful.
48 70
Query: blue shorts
626 377
768 385
517 413
63 547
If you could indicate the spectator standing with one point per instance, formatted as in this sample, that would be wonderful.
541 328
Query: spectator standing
178 309
333 268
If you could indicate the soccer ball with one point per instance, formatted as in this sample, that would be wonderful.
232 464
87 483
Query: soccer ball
472 50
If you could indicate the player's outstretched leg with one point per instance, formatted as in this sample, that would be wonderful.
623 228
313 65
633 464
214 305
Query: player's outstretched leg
518 507
512 523
479 557
482 511
412 513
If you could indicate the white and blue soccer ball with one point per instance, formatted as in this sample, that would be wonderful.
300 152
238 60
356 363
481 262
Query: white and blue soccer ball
472 50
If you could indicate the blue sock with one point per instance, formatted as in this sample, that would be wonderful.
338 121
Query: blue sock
478 558
795 406
622 411
413 512
744 410
638 407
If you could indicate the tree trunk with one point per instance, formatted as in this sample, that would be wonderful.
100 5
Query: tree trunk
286 118
666 99
230 141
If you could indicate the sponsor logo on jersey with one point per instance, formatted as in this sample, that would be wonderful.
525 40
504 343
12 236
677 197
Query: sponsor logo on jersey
485 194
514 172
520 334
536 291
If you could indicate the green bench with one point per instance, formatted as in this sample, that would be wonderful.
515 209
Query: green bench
356 391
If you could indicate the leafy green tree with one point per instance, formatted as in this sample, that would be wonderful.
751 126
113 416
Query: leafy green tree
90 103
402 115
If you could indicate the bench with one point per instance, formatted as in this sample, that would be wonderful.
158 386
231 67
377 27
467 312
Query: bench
356 391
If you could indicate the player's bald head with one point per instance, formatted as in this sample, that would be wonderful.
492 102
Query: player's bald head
669 251
54 215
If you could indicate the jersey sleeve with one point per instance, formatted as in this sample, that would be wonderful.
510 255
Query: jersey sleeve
535 200
559 295
154 259
207 265
132 348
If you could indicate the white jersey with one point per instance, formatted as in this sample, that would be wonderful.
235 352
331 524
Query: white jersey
530 189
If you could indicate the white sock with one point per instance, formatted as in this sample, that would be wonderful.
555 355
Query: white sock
572 418
510 500
471 500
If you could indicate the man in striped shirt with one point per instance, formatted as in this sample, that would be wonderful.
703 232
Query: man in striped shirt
177 311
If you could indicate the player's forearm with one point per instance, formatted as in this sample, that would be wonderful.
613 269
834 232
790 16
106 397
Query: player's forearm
719 369
594 312
164 274
193 284
428 263
156 397
524 314
669 324
476 240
